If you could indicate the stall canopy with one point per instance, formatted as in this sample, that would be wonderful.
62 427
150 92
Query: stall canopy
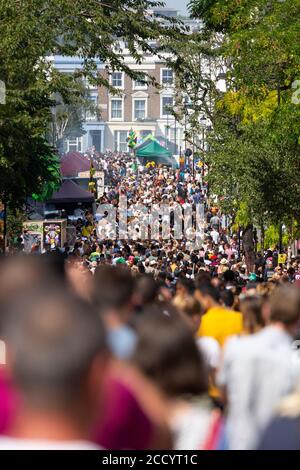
73 163
70 192
146 142
154 152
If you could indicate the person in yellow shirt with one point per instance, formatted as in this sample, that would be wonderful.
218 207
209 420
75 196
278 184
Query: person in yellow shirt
217 322
87 230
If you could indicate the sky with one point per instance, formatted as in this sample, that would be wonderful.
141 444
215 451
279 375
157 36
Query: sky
178 4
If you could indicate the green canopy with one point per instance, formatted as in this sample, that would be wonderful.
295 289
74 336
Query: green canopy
155 152
146 142
150 137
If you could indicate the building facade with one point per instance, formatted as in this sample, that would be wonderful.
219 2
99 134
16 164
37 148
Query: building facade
140 106
94 128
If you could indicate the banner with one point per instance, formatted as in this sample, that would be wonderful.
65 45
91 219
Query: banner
52 234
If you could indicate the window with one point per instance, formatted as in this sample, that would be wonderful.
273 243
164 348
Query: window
121 141
175 134
91 114
140 84
167 77
74 145
96 139
116 106
139 109
117 79
167 104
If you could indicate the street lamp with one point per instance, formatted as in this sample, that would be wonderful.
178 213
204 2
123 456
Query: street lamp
167 129
202 122
175 130
203 127
186 104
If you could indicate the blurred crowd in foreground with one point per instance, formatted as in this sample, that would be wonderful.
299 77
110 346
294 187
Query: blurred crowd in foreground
118 359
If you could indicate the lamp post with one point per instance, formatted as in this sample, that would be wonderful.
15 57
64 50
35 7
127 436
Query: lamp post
167 132
208 129
175 136
175 131
193 156
186 102
203 126
280 223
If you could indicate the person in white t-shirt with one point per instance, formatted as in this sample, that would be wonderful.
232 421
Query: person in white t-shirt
215 236
260 369
56 353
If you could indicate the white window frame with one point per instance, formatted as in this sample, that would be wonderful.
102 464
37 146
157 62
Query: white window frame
143 131
119 87
161 77
88 115
78 141
162 115
116 98
139 87
133 107
172 133
117 132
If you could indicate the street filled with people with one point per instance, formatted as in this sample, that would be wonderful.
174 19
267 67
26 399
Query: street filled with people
146 341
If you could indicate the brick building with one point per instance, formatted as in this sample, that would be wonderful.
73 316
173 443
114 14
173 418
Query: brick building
140 106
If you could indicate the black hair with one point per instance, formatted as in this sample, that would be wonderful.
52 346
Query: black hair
210 291
167 353
113 287
227 297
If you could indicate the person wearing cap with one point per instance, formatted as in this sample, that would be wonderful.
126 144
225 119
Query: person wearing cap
120 260
223 266
252 277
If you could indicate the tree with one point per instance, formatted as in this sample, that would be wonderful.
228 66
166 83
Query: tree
31 32
68 119
261 39
198 64
254 147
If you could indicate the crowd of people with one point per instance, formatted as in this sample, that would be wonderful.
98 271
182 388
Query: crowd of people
145 343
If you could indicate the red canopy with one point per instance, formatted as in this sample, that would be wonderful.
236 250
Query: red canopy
73 163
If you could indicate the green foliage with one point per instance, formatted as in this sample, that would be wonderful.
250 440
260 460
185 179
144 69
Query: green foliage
53 181
14 222
254 152
272 237
254 165
68 117
31 32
